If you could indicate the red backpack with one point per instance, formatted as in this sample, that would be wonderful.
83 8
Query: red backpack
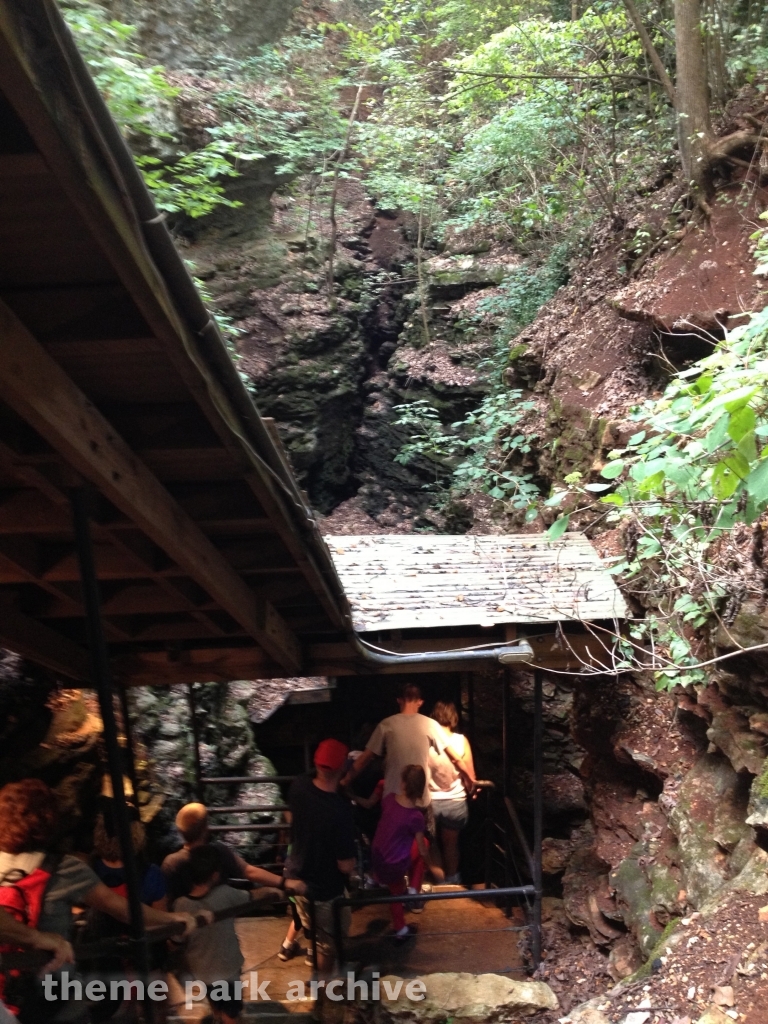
22 895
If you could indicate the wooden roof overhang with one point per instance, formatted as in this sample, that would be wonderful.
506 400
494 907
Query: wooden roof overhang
112 373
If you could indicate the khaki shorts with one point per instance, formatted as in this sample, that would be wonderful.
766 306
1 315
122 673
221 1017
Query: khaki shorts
323 923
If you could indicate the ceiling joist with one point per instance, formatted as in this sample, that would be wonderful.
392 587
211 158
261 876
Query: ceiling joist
37 388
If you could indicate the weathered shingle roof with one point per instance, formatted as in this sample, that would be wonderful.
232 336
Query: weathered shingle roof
403 582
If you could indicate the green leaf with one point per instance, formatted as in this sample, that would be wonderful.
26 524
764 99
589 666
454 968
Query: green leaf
737 399
612 470
558 528
653 484
757 482
741 422
612 499
748 447
727 475
597 488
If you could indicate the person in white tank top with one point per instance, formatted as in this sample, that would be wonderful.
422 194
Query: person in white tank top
447 788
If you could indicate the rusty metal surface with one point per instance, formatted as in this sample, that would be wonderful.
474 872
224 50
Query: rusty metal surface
405 582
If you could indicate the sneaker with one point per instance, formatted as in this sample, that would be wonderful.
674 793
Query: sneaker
415 908
289 951
308 960
402 936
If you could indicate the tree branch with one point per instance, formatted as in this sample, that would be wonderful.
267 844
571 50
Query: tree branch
651 51
557 76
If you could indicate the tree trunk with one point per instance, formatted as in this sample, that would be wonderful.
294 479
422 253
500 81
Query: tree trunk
694 126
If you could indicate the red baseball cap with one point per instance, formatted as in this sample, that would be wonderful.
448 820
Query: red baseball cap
331 754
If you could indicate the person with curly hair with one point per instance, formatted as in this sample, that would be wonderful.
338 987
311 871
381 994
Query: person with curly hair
29 818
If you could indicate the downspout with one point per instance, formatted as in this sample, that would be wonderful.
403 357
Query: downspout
509 654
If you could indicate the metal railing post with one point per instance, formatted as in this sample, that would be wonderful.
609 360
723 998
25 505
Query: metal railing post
338 936
538 808
102 680
195 741
313 927
131 751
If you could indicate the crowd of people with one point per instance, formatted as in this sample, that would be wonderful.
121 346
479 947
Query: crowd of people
392 811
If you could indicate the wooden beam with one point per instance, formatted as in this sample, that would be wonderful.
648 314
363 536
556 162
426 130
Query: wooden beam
32 640
213 665
220 664
33 384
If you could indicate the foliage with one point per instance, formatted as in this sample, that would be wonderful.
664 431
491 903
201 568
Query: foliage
136 93
697 468
524 291
475 453
254 120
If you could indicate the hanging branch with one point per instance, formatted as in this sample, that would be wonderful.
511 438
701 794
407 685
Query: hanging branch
651 51
334 197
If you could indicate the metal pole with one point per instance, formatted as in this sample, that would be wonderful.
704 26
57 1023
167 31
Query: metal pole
313 929
504 733
538 808
131 751
196 741
102 681
338 934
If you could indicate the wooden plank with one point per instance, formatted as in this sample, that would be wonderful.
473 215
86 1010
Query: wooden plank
31 639
41 392
407 581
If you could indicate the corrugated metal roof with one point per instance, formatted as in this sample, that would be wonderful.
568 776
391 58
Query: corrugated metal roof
411 581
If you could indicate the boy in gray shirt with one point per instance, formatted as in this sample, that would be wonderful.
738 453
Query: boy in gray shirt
212 954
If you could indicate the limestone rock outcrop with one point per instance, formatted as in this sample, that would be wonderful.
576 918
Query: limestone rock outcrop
468 999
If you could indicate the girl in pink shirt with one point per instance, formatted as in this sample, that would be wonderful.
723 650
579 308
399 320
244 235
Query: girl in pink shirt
400 847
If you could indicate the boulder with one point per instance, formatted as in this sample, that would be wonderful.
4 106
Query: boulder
486 998
649 894
708 820
749 628
555 854
745 749
624 959
758 800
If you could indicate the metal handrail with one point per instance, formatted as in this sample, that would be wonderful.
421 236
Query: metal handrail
406 898
249 828
229 779
249 807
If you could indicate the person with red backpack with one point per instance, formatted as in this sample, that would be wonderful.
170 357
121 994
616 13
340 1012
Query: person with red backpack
15 934
40 889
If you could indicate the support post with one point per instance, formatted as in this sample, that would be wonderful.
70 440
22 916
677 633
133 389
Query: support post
505 733
538 808
102 682
130 749
195 741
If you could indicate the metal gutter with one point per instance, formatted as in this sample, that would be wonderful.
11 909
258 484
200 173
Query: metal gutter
519 653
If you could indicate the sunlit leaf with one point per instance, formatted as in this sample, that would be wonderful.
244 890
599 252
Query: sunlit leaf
558 528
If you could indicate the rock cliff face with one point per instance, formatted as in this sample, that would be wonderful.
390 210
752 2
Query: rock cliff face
191 34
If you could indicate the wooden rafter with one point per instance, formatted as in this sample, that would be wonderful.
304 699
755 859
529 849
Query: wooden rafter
31 639
37 388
